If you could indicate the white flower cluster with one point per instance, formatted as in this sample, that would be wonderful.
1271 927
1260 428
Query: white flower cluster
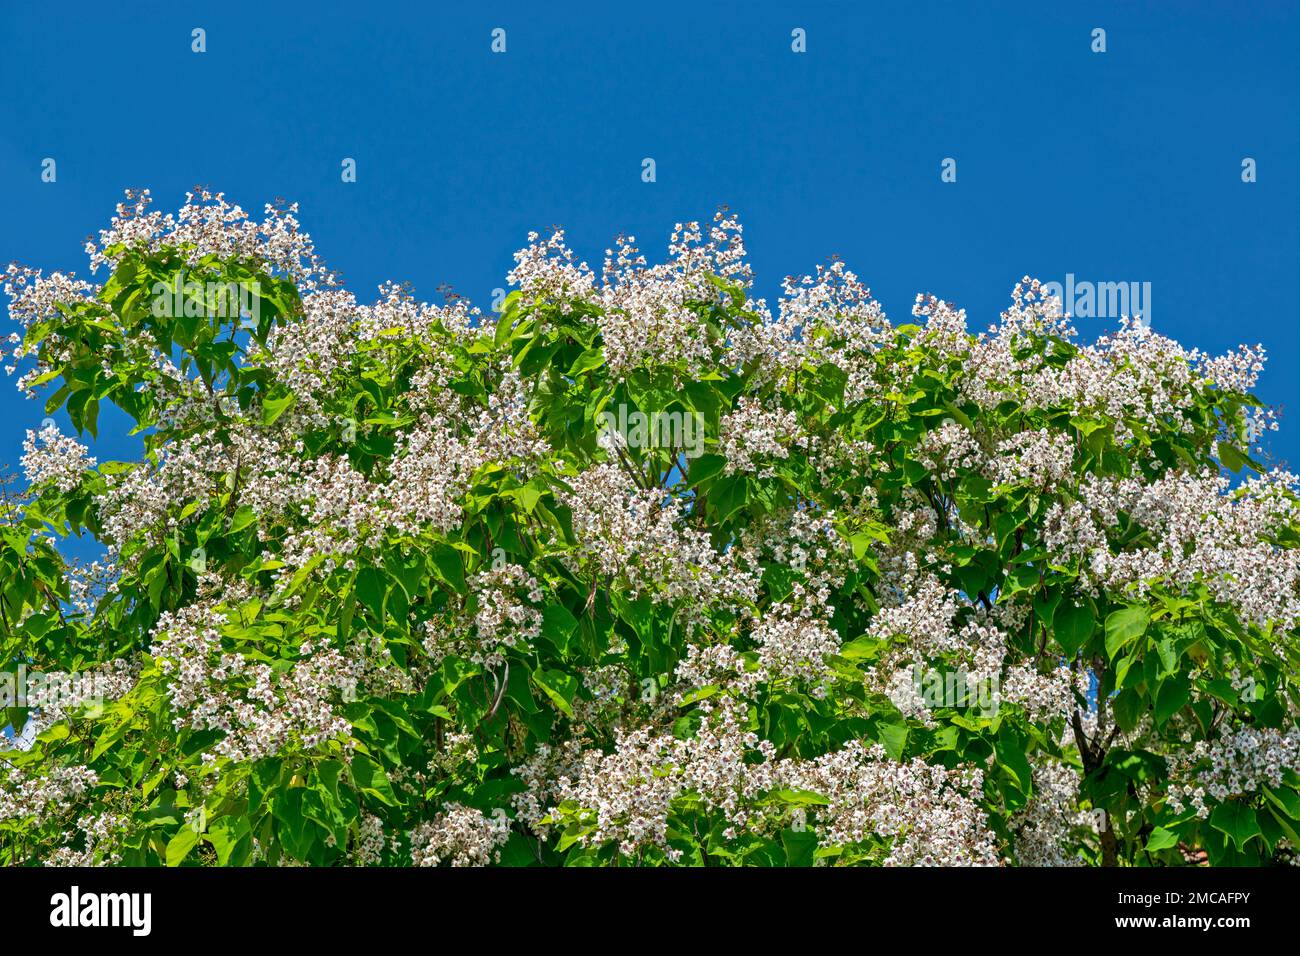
1201 533
35 297
919 813
1044 696
501 619
721 664
653 312
100 835
833 300
640 537
920 618
804 541
88 583
948 449
547 275
629 793
645 313
925 812
1133 375
751 436
207 225
1044 827
1042 459
260 709
61 695
58 458
1241 762
934 634
796 645
328 504
308 354
461 836
41 798
370 841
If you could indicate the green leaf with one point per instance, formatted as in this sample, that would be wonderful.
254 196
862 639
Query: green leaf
505 329
1011 755
1125 626
893 737
800 846
372 585
588 360
558 626
859 648
729 495
704 467
527 496
1233 458
1285 798
229 838
273 408
1236 820
242 518
1161 839
1087 426
698 694
1128 708
800 798
1072 626
179 846
449 566
371 779
1171 698
559 687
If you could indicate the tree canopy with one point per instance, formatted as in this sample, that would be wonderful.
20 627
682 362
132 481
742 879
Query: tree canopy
634 570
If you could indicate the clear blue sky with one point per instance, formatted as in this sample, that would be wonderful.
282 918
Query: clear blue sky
1115 167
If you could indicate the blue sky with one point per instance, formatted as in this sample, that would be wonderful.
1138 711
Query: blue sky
1118 166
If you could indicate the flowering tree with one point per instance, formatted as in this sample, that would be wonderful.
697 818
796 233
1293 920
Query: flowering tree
636 572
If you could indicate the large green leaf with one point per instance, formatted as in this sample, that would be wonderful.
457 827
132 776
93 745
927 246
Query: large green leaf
1072 625
1237 820
1124 627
